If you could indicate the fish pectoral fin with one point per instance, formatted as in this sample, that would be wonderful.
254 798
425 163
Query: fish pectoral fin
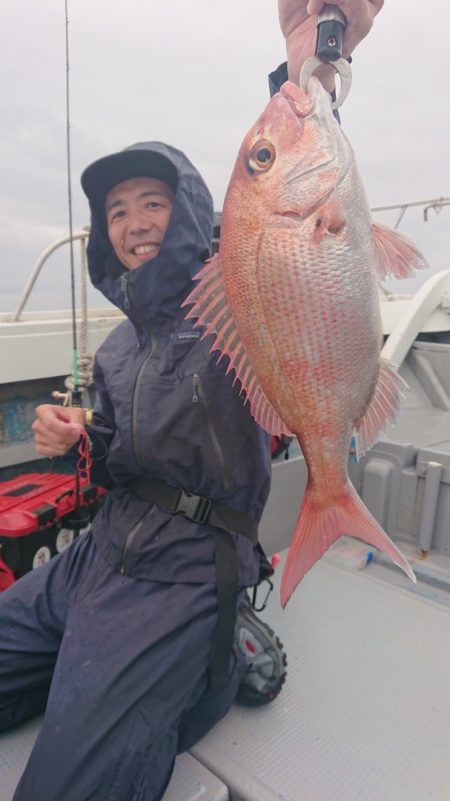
382 410
394 254
211 309
318 526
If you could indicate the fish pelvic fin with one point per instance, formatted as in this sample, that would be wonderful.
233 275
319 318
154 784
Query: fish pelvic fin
395 254
211 310
382 410
318 526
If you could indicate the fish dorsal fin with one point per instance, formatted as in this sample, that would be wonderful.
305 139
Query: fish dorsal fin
382 410
212 310
394 254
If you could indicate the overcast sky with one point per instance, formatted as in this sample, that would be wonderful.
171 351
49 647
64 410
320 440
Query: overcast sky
193 74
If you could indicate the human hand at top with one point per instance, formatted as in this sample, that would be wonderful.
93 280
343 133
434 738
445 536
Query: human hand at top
298 21
57 428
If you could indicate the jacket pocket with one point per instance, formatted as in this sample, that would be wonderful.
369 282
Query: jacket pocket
130 538
199 396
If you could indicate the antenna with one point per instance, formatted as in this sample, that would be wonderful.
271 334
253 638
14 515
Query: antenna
75 396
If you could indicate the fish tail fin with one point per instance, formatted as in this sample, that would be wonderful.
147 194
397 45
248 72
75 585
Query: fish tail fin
319 526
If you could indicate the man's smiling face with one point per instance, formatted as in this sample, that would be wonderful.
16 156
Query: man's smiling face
137 214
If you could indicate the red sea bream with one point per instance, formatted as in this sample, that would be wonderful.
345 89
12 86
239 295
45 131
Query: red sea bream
292 299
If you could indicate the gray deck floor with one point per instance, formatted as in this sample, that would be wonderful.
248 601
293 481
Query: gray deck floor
365 713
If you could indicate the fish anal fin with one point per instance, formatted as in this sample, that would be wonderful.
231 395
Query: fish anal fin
318 526
395 254
382 410
212 311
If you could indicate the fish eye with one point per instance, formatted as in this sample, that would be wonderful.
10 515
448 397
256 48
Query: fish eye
261 157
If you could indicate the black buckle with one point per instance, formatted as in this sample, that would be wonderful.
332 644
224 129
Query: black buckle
195 507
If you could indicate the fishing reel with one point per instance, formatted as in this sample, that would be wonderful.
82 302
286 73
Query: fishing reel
67 398
74 398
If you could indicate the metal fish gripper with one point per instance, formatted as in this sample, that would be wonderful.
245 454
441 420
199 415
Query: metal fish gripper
331 24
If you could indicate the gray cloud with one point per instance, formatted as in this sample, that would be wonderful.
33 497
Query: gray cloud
194 74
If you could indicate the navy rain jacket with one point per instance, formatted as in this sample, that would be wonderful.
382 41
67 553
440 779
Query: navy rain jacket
165 408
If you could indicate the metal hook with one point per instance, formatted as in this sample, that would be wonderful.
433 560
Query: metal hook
341 66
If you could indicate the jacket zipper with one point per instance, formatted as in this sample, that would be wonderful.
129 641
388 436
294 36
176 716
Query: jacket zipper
134 439
124 287
130 539
199 395
128 305
195 383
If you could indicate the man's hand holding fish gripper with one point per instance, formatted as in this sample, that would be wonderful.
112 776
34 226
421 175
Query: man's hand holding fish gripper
298 19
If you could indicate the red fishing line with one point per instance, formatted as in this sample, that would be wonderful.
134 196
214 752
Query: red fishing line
84 462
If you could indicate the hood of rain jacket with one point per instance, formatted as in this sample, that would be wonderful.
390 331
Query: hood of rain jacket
152 294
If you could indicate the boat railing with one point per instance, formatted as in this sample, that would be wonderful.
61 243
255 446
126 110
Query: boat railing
433 294
436 204
84 358
81 236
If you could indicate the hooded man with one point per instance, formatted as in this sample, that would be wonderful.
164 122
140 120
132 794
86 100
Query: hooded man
137 626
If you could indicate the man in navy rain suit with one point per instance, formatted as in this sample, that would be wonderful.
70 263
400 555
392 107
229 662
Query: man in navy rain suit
115 637
124 620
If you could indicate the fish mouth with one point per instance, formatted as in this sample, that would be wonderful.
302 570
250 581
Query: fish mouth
302 102
312 101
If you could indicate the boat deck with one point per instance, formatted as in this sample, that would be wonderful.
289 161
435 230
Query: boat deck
364 715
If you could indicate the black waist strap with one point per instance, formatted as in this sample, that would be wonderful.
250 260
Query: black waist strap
195 507
224 520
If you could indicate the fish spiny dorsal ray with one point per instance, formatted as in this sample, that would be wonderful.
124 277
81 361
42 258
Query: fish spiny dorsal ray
211 310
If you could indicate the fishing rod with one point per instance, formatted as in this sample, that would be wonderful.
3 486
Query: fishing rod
73 396
75 393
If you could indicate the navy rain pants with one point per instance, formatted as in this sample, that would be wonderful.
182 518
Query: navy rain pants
123 664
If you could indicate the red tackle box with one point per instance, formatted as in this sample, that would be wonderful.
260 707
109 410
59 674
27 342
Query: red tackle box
39 517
